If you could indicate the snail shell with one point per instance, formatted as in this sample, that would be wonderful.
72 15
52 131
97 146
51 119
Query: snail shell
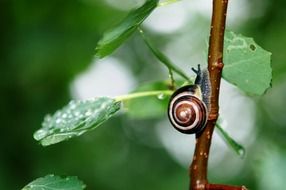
186 111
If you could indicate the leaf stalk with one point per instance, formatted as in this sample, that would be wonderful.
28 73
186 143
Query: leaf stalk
162 57
167 2
143 94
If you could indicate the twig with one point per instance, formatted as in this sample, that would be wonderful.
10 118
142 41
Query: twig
198 168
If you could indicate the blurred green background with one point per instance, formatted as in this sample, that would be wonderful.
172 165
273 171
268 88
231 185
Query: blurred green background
46 44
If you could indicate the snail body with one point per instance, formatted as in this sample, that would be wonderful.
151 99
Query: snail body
188 107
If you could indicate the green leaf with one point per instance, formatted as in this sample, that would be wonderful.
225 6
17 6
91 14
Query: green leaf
238 149
52 182
247 65
149 106
113 38
75 119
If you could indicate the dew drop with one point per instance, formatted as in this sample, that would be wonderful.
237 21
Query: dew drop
88 113
40 134
161 96
58 120
48 118
241 152
103 106
77 113
72 105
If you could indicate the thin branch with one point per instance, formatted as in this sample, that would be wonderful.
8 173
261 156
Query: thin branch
198 168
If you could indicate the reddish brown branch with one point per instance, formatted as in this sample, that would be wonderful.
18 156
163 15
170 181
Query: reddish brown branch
198 168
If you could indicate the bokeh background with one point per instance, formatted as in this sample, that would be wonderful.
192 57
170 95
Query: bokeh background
47 50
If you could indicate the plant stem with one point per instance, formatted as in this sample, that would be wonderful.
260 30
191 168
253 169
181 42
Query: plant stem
167 2
143 94
163 58
198 168
171 76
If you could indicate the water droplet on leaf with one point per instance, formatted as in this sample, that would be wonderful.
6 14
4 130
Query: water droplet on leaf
58 121
40 134
161 96
88 113
241 152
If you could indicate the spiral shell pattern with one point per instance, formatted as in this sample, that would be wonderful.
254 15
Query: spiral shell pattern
187 113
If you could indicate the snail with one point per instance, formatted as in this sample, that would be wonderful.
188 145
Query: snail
188 107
